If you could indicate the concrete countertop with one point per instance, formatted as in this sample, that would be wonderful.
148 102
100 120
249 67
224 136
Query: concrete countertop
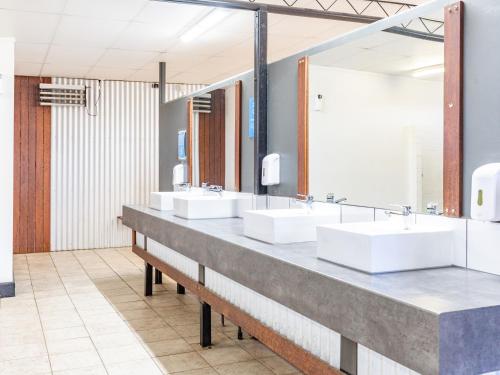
439 321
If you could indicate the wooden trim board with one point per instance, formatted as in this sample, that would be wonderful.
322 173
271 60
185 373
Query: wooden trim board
294 354
303 127
453 109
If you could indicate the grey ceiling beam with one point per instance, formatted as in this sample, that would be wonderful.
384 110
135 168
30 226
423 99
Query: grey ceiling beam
279 9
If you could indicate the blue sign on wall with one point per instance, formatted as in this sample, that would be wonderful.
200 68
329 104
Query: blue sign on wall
251 117
181 145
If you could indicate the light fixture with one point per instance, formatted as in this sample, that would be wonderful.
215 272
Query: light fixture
210 20
428 71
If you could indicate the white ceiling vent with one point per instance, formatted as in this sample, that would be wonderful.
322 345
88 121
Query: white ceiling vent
62 95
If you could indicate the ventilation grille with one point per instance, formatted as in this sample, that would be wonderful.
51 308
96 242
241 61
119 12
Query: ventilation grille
202 103
52 94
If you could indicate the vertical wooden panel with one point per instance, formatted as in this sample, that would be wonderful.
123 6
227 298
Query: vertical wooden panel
453 109
190 141
17 164
31 167
237 136
303 127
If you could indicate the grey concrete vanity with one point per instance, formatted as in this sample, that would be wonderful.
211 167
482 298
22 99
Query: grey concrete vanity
440 321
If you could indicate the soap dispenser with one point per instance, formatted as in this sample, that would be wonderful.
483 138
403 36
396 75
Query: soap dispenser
485 193
271 170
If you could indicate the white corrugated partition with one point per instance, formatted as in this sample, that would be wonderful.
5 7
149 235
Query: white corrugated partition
103 157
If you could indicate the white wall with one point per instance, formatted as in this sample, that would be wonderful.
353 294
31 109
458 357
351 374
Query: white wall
6 157
230 107
374 137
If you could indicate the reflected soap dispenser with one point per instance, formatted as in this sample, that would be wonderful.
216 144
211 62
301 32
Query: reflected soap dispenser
271 170
485 193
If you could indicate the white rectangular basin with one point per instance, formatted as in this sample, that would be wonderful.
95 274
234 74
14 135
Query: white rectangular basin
377 247
164 200
286 225
209 206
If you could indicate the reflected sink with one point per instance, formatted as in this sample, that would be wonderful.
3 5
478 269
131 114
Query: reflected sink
286 225
164 200
377 247
211 205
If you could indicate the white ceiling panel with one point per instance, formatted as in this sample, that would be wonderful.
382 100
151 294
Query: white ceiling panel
123 10
31 52
144 75
176 16
62 55
27 69
85 31
146 37
70 70
109 73
126 58
28 27
45 6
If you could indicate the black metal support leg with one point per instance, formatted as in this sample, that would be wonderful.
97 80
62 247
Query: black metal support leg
222 321
181 289
148 280
158 277
205 325
240 333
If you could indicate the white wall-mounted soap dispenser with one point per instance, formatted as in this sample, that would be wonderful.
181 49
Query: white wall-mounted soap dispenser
485 193
271 170
179 175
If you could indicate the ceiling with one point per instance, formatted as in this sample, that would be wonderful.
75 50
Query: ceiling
125 39
385 53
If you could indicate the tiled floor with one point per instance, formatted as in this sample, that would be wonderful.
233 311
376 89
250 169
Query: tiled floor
82 312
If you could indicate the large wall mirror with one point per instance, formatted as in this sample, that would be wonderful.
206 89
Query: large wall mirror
214 138
375 125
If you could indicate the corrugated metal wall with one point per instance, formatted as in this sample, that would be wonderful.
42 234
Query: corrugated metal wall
103 157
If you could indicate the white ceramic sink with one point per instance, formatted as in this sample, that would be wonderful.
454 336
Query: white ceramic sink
377 247
286 225
211 205
164 200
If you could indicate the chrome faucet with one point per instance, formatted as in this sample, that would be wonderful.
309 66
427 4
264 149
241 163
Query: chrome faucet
405 212
432 209
330 198
184 187
307 199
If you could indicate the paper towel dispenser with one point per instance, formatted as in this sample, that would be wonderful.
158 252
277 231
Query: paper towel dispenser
485 193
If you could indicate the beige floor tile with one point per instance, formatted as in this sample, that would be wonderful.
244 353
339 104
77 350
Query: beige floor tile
138 314
160 334
278 365
168 347
114 340
92 370
224 355
255 348
65 333
119 354
243 368
31 366
82 344
203 371
9 353
129 297
140 367
182 362
144 325
78 360
188 330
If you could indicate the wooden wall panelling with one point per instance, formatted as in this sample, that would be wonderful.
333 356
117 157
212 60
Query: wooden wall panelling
303 127
237 136
190 141
31 168
453 109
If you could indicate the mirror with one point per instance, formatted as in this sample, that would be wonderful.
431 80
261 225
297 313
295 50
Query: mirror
214 137
375 120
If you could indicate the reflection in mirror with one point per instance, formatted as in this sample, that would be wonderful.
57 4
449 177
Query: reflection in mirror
376 122
214 138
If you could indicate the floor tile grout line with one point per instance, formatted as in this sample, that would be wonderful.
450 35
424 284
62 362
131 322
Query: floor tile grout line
76 309
39 317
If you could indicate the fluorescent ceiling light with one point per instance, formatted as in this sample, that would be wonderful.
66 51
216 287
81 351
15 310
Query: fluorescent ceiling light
209 21
428 71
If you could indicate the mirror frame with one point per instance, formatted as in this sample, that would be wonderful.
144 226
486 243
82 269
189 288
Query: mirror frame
238 85
452 114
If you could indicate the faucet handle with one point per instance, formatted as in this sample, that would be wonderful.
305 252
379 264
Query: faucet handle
405 208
